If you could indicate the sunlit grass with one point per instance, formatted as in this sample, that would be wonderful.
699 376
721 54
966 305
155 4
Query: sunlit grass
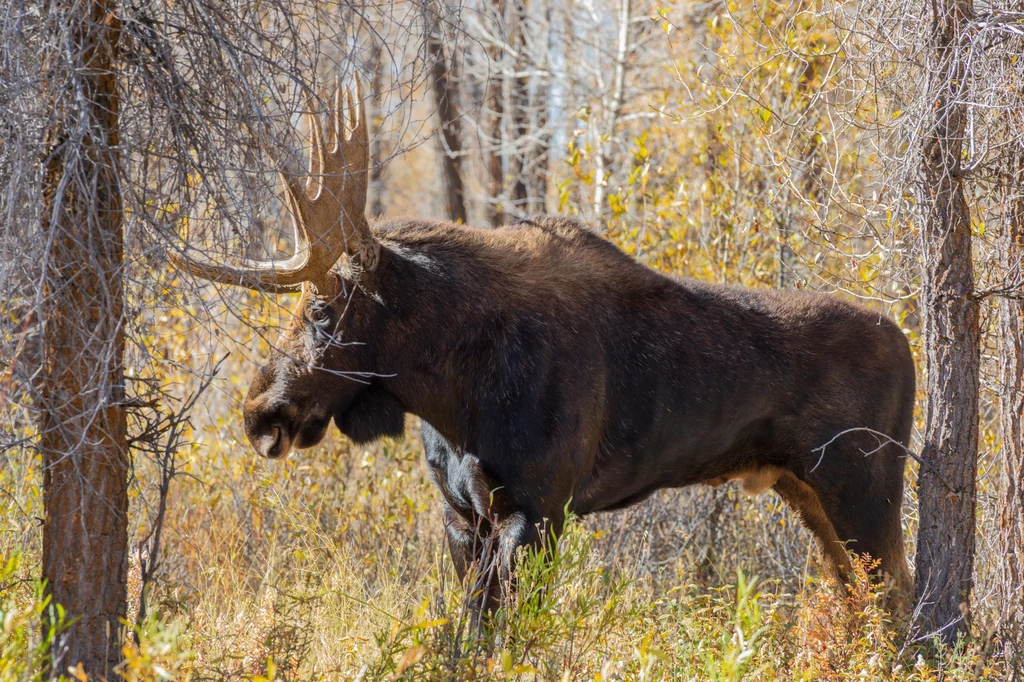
332 565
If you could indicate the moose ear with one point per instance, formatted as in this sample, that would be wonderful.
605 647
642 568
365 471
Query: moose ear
339 285
330 286
310 289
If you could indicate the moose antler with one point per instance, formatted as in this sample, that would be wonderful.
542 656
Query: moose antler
327 213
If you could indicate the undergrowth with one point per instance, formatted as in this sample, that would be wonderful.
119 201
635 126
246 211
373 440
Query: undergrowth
573 617
332 565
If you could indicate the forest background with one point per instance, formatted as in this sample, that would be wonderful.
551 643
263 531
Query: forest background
871 150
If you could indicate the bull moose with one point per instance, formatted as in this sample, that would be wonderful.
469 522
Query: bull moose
552 372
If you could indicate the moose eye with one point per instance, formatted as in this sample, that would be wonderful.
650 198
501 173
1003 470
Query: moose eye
320 315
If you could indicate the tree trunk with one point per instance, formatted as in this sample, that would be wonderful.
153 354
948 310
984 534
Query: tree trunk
496 98
520 105
537 161
378 186
602 162
1011 403
495 168
945 546
450 145
83 430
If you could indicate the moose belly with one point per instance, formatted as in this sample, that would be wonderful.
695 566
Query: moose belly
626 476
753 481
597 496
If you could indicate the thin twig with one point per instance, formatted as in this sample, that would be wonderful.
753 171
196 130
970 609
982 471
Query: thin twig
888 440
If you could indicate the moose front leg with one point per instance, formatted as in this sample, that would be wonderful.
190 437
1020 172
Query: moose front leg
487 517
484 553
515 530
463 540
522 527
474 543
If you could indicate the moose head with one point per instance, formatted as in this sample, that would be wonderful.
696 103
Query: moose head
308 379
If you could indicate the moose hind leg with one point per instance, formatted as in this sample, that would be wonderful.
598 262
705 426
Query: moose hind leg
880 536
807 504
874 527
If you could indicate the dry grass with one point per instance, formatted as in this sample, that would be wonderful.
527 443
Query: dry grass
331 565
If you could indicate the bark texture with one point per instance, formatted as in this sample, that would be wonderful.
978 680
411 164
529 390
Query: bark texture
495 168
537 175
946 489
450 139
83 431
496 102
378 185
520 105
1011 515
602 159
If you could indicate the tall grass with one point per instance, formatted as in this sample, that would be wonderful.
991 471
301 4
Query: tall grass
332 565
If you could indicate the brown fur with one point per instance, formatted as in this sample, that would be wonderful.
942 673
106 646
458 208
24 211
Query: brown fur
552 371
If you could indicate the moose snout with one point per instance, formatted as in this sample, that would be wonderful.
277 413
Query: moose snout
272 444
267 430
285 411
266 419
274 430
